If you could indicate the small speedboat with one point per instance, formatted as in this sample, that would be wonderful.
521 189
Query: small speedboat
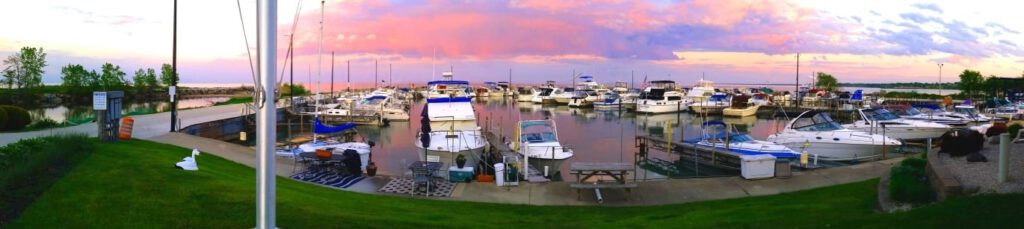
713 105
741 107
932 113
611 101
881 121
970 113
739 143
538 141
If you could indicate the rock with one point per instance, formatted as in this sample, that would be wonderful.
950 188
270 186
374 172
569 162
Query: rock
976 157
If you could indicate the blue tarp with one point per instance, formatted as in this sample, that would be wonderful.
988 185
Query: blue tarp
858 95
449 100
447 82
929 106
320 128
376 97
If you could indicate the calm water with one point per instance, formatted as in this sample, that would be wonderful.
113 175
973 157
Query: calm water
84 112
596 136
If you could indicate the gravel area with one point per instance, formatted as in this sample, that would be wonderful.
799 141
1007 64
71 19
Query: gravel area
984 175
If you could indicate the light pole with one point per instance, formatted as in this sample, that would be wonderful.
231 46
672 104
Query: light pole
266 117
940 79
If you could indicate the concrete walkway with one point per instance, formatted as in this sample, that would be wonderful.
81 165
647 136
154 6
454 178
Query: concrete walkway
558 193
146 126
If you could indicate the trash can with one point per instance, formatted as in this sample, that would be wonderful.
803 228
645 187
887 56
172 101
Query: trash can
757 166
499 174
783 169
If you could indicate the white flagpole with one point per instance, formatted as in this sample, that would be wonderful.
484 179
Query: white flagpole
266 121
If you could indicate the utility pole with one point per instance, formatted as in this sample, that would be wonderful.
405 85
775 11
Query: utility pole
174 69
375 74
391 79
348 75
266 127
797 92
940 79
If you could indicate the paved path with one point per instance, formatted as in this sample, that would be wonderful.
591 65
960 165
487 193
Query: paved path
146 126
558 193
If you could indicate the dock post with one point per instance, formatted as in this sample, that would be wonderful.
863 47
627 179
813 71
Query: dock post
929 147
1004 156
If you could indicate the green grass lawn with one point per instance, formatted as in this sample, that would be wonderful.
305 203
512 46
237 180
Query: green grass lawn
132 184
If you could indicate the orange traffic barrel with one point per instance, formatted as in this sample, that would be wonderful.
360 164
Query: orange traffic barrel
126 128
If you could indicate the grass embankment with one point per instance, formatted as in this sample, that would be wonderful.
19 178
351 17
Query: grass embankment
132 185
909 182
29 167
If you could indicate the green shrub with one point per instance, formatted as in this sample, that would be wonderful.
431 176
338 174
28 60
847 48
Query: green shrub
909 182
1014 129
3 119
30 166
17 118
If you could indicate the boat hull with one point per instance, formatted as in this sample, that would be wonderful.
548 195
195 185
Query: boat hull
554 165
741 112
841 152
905 133
644 106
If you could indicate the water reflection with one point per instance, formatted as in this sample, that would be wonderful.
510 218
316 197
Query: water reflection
82 113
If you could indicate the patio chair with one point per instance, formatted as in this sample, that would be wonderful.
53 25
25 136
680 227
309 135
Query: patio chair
421 179
1020 136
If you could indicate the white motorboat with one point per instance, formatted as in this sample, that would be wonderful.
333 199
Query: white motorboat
482 92
384 106
565 95
1007 112
629 99
611 101
817 133
881 121
584 98
932 113
537 140
493 90
701 91
526 94
335 146
661 97
970 113
741 107
712 105
505 88
449 126
740 143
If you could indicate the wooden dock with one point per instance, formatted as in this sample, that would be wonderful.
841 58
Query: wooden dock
498 150
704 155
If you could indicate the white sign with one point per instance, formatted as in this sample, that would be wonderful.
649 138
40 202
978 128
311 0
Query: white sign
99 100
172 91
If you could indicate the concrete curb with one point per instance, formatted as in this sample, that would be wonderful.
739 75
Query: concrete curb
885 203
941 179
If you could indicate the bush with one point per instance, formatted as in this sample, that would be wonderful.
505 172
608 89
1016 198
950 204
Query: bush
17 118
1014 129
908 182
30 166
3 119
996 130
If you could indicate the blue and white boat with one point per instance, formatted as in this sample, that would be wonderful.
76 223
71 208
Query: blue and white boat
738 142
449 126
611 101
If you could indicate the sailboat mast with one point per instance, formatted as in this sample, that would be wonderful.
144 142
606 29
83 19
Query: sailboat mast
319 70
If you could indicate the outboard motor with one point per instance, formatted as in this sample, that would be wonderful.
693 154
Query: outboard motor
961 142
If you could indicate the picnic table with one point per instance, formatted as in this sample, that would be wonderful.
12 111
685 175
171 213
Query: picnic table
586 170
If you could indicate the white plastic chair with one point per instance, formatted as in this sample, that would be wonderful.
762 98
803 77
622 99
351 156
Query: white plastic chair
1020 136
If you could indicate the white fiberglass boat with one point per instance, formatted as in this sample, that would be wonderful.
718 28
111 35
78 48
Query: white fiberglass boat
712 105
611 101
933 113
565 95
584 98
701 91
738 142
537 140
336 147
526 94
661 97
969 112
817 133
449 125
741 107
881 121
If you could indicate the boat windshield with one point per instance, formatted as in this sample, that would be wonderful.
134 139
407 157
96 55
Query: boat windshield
538 131
546 91
880 115
966 110
912 111
818 122
653 94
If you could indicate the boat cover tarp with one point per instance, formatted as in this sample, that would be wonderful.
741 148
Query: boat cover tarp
320 128
449 100
447 82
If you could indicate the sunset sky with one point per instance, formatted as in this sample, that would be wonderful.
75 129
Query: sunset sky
728 41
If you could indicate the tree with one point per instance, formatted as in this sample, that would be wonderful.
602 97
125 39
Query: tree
168 76
33 60
93 81
12 70
75 80
112 78
139 81
971 82
151 79
827 82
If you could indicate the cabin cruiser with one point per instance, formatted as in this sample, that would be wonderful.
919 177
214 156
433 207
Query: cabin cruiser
701 91
760 99
526 94
816 132
712 105
449 126
505 89
584 98
546 95
620 87
932 113
565 95
970 113
385 107
741 107
610 101
738 142
661 97
1007 112
537 141
881 121
629 99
